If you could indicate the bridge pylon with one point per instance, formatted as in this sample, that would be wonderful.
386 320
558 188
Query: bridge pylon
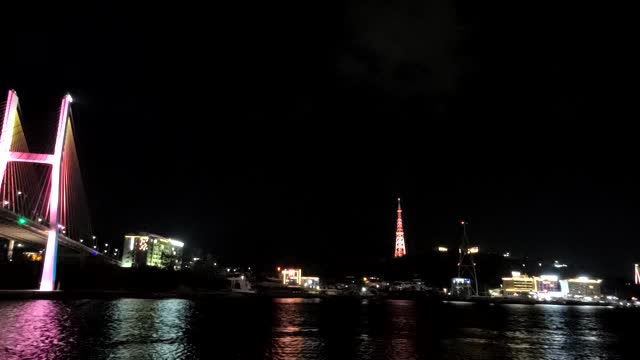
10 123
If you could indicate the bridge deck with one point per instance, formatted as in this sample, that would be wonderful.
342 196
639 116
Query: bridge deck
35 233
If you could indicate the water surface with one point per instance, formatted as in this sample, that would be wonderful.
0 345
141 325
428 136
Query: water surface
310 329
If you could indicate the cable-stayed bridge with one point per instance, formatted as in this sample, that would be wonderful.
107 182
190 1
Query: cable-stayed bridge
42 197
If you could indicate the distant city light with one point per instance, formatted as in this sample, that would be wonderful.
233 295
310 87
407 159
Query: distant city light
507 254
6 202
473 250
442 249
19 245
278 269
196 259
539 264
39 219
19 192
93 237
106 245
364 289
69 98
515 273
94 246
585 279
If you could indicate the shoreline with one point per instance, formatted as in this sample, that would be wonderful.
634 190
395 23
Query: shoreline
225 294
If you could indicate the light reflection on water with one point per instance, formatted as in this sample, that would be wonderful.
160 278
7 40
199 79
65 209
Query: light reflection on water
308 329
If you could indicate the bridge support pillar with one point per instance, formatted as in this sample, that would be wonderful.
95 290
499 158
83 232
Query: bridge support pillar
10 250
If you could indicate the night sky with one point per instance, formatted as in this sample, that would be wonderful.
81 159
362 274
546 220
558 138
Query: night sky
283 132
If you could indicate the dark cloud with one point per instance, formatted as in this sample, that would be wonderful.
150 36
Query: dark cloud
402 46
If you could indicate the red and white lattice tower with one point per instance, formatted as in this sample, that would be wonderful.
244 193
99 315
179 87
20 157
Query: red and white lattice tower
401 250
637 274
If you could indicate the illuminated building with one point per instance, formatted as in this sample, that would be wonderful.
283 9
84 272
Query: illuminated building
310 282
291 277
401 250
581 286
547 284
461 287
147 249
518 284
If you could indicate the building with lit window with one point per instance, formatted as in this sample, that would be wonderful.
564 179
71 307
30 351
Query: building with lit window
291 277
145 249
547 284
461 287
518 284
581 287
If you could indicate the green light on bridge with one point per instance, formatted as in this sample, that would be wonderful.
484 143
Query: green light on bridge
22 220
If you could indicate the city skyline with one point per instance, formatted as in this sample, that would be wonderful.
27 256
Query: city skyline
300 142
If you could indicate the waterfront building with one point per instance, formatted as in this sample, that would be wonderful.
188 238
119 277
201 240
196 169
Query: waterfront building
461 287
310 282
545 286
240 283
291 277
518 284
146 249
581 287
